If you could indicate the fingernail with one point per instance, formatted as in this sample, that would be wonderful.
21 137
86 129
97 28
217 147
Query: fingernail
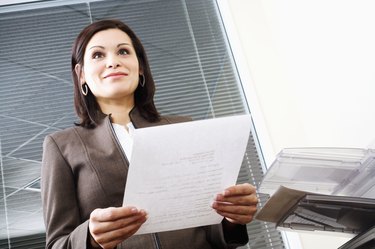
143 212
134 210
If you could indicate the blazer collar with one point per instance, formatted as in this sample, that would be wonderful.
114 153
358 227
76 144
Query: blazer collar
135 116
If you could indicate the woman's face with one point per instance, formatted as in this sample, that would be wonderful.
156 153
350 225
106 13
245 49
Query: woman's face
111 67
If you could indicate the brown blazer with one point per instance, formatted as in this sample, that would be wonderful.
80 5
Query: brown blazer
84 169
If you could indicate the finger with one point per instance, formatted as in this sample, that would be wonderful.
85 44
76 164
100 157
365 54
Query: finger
112 238
251 199
117 236
112 213
239 189
106 226
237 222
236 218
234 209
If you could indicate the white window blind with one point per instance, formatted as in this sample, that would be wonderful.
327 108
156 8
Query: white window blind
190 60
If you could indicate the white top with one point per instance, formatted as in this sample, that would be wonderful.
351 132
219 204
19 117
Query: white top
125 137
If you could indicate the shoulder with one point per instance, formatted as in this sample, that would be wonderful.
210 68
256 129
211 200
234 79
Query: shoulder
62 134
172 119
68 143
140 122
62 137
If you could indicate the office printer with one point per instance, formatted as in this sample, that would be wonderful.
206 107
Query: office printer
326 189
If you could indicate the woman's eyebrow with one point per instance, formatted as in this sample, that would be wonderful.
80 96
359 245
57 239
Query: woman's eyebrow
121 44
96 46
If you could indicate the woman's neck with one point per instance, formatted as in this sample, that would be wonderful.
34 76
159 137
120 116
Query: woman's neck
119 110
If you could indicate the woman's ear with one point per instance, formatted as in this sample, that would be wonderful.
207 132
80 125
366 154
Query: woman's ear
80 74
140 70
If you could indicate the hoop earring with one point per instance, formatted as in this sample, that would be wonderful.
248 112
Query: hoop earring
85 90
143 81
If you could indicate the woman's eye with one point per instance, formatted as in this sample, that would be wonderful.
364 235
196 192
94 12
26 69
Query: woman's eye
123 51
97 55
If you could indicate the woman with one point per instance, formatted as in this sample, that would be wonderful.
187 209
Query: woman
84 167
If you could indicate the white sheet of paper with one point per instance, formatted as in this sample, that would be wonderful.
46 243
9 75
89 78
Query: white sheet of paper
176 170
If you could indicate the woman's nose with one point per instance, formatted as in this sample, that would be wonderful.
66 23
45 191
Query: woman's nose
112 62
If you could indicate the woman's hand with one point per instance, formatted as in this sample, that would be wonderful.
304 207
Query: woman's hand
110 226
237 204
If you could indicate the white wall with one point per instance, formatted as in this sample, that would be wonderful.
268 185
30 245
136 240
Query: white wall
310 75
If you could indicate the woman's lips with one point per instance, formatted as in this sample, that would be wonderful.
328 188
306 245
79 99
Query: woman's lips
117 74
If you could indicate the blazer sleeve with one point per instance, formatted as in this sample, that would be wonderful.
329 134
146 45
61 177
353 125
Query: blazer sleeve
220 238
64 228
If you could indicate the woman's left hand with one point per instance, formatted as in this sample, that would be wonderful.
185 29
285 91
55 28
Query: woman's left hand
237 204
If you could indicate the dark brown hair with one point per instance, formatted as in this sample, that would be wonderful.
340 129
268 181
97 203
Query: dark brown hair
87 108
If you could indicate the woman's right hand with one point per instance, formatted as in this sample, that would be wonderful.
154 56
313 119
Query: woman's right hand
110 226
